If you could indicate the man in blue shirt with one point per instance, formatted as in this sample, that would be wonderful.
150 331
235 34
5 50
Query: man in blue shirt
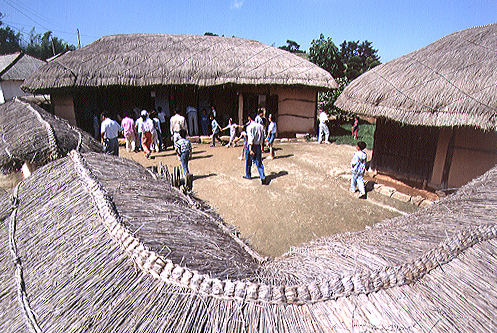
255 137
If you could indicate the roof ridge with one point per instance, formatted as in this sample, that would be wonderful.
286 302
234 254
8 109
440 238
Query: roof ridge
350 284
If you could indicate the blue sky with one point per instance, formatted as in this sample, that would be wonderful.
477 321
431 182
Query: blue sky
395 27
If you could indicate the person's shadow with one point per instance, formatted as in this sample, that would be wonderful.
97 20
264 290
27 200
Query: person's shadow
273 175
195 177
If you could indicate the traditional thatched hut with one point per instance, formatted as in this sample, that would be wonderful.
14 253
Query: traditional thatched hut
33 137
436 109
94 243
236 75
14 69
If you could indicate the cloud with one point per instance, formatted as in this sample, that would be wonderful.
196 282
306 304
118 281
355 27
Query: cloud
237 4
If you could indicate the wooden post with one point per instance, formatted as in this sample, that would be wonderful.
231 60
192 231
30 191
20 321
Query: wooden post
448 160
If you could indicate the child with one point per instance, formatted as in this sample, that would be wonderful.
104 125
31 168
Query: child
355 128
183 148
358 168
215 130
232 126
243 136
271 135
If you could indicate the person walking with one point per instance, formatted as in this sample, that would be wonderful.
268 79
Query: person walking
271 135
109 131
177 122
358 164
157 133
216 129
255 136
183 148
147 128
128 126
232 127
323 127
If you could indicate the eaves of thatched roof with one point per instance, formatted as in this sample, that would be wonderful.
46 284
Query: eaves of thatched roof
31 134
18 66
96 243
141 60
451 82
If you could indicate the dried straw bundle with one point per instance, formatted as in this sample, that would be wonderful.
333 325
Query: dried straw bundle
450 82
31 134
100 245
142 60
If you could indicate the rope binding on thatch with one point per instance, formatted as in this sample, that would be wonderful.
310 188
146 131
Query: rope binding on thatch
351 284
19 278
52 140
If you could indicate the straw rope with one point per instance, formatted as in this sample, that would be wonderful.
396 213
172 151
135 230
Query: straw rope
19 278
52 140
351 284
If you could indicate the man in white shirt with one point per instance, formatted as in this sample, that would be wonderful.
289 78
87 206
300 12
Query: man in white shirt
255 137
177 123
109 131
323 127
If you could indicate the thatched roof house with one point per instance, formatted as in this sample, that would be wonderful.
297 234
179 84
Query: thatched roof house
32 135
14 69
436 109
94 243
236 75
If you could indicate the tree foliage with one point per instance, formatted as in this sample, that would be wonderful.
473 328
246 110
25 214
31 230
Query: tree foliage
325 54
41 46
10 41
345 64
291 46
44 46
358 57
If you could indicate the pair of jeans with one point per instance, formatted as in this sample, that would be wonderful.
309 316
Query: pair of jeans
185 157
357 182
257 159
323 129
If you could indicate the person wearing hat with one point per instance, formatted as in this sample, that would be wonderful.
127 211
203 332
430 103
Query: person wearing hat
109 131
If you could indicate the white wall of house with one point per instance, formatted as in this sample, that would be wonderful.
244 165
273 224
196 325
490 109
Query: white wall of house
10 89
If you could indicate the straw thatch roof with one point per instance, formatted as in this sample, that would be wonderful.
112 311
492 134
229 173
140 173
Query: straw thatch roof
141 60
18 66
31 134
450 82
94 243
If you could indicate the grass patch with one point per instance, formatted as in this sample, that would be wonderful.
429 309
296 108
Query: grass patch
341 133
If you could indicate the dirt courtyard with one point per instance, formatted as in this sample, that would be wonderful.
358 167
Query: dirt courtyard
304 200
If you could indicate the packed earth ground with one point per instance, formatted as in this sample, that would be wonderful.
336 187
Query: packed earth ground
306 197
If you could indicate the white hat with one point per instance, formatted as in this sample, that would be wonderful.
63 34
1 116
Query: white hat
144 113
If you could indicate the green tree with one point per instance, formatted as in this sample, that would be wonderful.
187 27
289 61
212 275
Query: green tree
325 54
359 57
10 41
46 46
292 47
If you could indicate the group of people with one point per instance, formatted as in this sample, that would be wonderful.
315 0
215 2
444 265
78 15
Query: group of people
144 133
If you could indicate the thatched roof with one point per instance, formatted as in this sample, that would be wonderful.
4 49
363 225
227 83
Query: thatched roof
141 60
94 243
18 66
31 134
450 82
